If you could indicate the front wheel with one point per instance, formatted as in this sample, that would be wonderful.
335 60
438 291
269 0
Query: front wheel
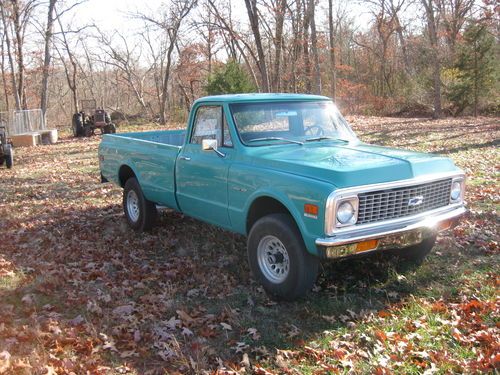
278 258
140 213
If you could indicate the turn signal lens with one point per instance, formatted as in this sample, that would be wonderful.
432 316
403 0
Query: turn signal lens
366 245
311 209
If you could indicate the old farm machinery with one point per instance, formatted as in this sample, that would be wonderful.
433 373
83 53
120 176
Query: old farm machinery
6 150
90 118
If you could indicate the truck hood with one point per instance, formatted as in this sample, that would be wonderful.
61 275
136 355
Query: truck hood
346 165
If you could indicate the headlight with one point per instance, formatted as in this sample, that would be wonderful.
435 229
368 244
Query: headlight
345 212
456 192
341 211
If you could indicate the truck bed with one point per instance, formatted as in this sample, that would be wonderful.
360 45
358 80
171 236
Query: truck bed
166 137
151 156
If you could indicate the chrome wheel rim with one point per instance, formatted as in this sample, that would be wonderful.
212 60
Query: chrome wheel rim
133 205
273 259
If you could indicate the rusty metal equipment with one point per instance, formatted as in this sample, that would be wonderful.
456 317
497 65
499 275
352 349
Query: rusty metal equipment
90 118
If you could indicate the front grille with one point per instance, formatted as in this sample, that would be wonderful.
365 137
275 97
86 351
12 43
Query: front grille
394 203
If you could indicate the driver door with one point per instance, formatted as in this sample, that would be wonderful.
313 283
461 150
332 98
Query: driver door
201 176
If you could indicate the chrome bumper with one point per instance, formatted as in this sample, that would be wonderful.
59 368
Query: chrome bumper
391 236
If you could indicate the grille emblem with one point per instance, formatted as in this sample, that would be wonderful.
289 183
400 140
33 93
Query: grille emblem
416 201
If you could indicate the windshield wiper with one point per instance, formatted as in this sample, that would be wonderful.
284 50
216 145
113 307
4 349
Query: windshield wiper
325 137
275 139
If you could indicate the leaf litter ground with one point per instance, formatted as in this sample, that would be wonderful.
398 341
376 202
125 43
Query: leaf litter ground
80 292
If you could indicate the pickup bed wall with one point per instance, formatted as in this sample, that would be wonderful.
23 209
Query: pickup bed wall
155 168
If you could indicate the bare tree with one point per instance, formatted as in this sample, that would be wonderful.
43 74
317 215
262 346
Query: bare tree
432 30
71 64
126 60
170 24
20 15
311 10
4 10
253 16
331 42
4 73
234 41
47 56
454 15
279 7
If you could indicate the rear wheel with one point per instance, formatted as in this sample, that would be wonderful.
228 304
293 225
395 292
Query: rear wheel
77 125
278 258
140 213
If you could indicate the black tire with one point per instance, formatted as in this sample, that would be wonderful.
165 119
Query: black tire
76 125
9 157
302 266
112 128
87 131
144 216
416 254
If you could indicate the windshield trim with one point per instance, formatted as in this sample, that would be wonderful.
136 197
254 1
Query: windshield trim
246 144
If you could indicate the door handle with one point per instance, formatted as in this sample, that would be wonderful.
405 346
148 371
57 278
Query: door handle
185 158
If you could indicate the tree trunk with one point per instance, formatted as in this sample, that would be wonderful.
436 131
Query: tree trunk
314 47
433 38
278 44
47 57
333 72
16 18
4 76
305 46
476 79
253 16
166 79
15 90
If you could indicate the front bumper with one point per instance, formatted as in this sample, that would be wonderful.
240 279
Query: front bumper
388 236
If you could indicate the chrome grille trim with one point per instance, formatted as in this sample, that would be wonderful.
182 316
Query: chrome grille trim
394 203
338 194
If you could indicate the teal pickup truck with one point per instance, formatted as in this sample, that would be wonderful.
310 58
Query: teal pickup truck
286 171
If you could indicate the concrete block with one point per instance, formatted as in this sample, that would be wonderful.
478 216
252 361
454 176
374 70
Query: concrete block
49 136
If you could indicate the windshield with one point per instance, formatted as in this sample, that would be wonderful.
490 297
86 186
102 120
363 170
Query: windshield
289 122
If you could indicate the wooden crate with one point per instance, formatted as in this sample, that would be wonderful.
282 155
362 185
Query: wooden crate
46 137
26 139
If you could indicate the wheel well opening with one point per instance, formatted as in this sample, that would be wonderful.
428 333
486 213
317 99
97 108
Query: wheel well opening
124 174
264 206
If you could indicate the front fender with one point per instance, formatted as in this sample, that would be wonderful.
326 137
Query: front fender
246 184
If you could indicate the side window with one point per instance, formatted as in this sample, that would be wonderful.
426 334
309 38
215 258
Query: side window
208 124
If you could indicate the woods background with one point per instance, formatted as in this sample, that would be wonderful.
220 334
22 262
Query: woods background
384 57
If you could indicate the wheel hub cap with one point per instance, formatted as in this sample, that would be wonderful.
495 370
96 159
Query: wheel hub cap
273 259
133 205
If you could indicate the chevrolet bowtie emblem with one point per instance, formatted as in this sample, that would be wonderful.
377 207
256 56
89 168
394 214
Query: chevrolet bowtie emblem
416 201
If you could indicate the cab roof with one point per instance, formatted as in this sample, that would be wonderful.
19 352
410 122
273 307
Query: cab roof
258 97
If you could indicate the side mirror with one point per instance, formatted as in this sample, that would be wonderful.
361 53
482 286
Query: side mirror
209 144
